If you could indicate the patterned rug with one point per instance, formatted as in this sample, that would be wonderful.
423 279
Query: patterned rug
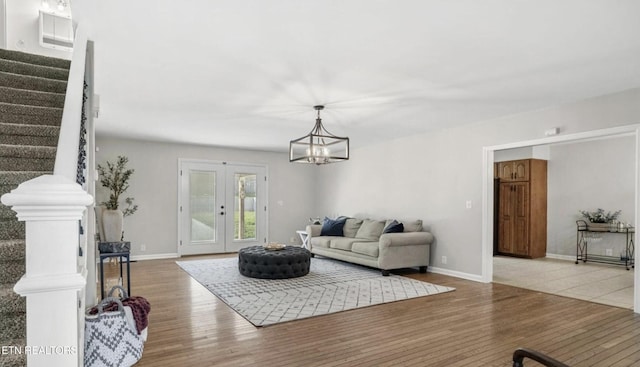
331 286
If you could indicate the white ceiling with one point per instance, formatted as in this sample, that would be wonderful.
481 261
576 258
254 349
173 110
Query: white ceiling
247 73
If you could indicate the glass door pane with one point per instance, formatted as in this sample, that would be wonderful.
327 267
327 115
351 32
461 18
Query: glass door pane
245 205
246 196
202 205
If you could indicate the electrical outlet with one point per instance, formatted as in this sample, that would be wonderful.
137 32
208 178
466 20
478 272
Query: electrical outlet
292 240
143 247
468 204
608 252
444 260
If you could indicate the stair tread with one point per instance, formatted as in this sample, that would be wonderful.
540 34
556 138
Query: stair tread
34 59
23 68
26 82
27 151
31 97
18 177
30 130
29 109
30 115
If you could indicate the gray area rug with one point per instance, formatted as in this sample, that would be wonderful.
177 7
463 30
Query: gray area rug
331 286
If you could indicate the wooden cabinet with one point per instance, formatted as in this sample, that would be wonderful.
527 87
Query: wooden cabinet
513 170
522 208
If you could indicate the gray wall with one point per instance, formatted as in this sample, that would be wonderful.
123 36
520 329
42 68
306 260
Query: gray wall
586 176
154 185
431 176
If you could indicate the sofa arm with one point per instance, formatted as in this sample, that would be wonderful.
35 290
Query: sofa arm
405 239
314 230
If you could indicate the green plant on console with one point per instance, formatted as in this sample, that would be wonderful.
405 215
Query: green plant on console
115 177
599 216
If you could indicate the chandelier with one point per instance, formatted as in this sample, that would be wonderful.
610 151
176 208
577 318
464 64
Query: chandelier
319 146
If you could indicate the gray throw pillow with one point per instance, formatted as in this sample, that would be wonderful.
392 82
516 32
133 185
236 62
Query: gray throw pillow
413 226
370 229
351 227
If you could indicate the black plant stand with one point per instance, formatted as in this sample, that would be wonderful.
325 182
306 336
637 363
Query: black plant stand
123 256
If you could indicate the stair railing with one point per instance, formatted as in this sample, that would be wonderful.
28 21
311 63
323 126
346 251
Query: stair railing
53 206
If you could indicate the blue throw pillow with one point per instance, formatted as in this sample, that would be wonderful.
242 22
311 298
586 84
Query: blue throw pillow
333 227
394 227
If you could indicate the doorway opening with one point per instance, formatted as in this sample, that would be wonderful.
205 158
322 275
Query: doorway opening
488 189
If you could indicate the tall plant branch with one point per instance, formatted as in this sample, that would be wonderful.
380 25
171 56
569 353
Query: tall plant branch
115 177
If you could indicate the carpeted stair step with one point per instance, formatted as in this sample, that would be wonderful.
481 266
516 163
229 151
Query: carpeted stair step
13 329
34 59
17 67
12 250
13 178
25 157
32 83
14 359
17 134
31 98
32 115
11 271
11 230
10 302
7 214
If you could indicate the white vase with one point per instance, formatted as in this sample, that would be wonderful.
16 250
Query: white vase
112 224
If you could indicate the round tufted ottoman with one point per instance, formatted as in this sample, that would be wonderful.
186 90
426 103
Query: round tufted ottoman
290 262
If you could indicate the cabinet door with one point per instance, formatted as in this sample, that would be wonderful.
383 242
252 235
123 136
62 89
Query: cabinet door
505 219
520 233
513 170
521 170
505 171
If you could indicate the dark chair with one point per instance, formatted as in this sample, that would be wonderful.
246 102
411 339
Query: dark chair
521 353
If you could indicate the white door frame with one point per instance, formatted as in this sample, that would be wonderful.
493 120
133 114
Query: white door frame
182 161
488 199
4 19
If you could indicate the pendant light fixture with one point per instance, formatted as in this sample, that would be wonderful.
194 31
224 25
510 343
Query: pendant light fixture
319 146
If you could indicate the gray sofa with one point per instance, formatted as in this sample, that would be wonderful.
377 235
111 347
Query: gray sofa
364 242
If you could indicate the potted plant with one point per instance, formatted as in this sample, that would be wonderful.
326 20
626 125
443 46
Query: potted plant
115 177
599 220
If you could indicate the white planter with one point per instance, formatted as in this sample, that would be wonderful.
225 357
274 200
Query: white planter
112 224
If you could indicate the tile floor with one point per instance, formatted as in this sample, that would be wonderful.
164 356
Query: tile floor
608 284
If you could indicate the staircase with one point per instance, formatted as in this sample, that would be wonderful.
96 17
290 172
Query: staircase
32 92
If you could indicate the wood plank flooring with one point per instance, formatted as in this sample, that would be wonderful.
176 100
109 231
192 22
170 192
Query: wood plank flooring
476 325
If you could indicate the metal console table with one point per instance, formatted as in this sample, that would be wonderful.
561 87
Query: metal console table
123 257
584 235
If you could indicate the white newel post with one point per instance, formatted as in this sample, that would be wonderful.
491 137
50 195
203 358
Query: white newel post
51 206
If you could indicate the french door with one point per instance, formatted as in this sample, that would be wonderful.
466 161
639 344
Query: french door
222 207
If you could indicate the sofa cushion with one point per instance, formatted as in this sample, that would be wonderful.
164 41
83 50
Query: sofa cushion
321 241
333 227
412 226
366 248
370 229
342 243
351 227
394 227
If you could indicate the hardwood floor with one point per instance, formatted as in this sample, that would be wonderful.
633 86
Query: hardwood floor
476 325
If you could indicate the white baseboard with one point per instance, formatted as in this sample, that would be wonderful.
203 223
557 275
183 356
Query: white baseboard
154 257
561 257
457 274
